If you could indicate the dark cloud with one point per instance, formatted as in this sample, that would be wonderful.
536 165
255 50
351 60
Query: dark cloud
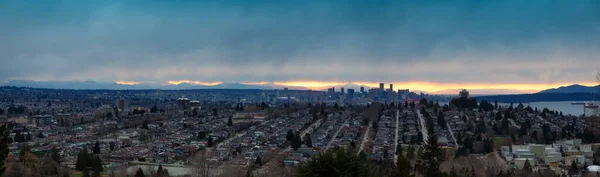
234 41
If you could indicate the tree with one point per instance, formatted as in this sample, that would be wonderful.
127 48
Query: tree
289 136
97 148
527 166
258 161
145 125
574 168
209 142
229 122
97 164
335 162
201 135
55 156
112 146
154 109
3 147
139 173
307 140
297 141
432 156
402 168
214 110
82 160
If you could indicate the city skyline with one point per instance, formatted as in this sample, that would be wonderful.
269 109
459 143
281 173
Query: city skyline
421 45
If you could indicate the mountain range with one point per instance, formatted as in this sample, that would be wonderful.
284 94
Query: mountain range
573 89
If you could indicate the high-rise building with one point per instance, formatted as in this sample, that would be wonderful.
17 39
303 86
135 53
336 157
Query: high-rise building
123 105
183 103
333 89
350 95
392 87
342 90
362 89
381 85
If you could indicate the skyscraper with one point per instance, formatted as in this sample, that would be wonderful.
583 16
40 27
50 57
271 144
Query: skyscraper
381 86
392 87
362 89
350 95
342 90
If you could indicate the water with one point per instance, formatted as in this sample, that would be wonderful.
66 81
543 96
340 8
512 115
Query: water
562 106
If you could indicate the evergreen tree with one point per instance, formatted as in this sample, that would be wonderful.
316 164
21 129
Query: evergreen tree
574 168
527 166
432 156
307 140
258 161
289 136
201 135
4 150
230 122
97 148
402 168
97 164
297 141
139 173
145 125
112 146
82 160
160 169
55 156
335 162
209 142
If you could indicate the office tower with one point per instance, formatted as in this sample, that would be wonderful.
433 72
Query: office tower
381 87
362 89
350 95
392 87
342 90
333 89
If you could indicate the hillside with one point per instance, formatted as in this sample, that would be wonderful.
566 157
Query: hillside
573 89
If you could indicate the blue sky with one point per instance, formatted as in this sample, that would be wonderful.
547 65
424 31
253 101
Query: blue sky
468 41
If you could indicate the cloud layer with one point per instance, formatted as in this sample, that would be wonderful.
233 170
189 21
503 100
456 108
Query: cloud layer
471 41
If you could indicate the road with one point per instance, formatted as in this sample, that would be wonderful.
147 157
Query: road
452 134
422 125
336 133
237 135
514 124
396 139
365 138
546 121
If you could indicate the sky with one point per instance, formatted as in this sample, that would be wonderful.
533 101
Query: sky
422 44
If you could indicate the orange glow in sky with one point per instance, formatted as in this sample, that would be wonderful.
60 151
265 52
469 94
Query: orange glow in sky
309 84
193 82
421 86
431 86
255 83
127 82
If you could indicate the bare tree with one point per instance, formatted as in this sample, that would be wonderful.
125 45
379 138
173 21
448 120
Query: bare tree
200 166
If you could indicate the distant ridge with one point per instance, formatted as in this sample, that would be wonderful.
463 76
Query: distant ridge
92 85
576 88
